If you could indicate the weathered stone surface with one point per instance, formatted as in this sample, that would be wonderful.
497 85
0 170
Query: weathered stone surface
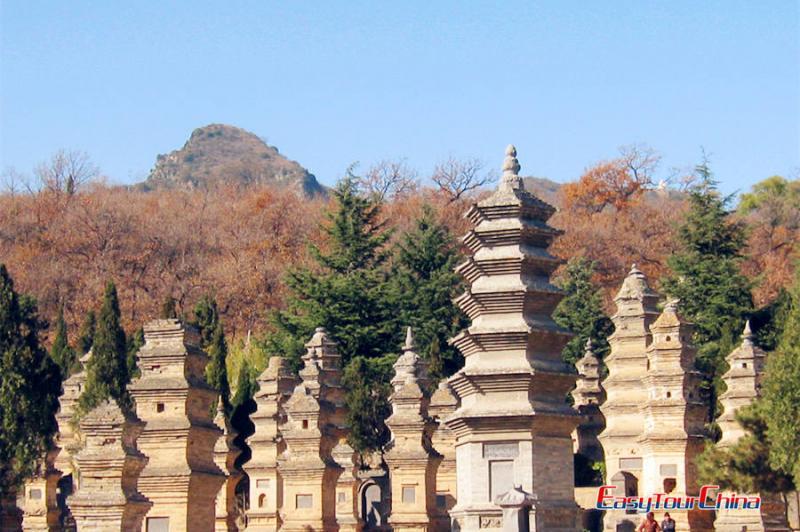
513 424
674 415
275 385
109 464
442 405
743 386
625 388
408 454
314 426
225 454
588 395
175 402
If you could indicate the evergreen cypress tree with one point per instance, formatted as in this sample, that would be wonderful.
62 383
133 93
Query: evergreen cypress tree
346 293
782 393
29 387
134 343
367 382
61 352
86 334
581 311
707 279
423 284
213 342
169 310
216 370
245 386
108 370
206 319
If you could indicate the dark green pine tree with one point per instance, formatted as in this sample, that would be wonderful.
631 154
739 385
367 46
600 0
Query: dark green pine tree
61 352
29 387
423 284
745 467
86 334
346 292
782 392
581 311
706 277
107 372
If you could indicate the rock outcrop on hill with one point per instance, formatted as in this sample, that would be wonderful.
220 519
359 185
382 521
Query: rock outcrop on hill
220 154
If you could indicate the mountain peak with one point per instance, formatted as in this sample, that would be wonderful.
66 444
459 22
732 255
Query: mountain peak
219 154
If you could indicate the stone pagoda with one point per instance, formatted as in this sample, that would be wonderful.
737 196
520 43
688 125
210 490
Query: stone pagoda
408 456
513 426
314 425
743 386
275 385
110 464
674 416
176 404
625 389
45 494
442 405
588 396
225 454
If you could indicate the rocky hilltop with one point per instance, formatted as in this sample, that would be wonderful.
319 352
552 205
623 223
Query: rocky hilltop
220 154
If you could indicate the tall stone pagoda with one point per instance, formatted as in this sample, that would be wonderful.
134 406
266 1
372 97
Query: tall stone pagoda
674 416
313 428
442 405
625 389
513 426
743 386
588 396
275 385
176 404
110 464
408 456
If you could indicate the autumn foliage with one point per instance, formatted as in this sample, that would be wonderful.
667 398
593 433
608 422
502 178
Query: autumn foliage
237 243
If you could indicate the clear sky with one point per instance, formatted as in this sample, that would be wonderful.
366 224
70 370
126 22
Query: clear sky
333 82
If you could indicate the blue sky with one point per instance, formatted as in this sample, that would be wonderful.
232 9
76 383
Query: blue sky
330 83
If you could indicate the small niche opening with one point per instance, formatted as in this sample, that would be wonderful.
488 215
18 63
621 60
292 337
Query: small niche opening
159 407
669 394
305 423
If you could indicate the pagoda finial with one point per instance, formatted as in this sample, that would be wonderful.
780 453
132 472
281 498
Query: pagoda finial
747 334
672 305
510 179
409 345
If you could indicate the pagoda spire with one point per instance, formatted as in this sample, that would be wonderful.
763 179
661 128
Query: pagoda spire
511 392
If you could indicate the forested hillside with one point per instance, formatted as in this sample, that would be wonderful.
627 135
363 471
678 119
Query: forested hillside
63 243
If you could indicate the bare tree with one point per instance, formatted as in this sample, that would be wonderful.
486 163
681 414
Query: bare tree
12 182
641 162
66 171
456 177
389 179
